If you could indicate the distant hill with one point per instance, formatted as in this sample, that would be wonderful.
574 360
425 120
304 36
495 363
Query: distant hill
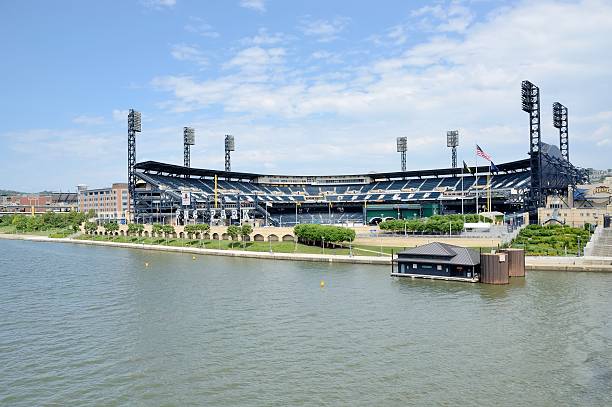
4 192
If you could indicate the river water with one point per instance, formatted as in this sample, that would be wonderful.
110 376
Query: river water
94 326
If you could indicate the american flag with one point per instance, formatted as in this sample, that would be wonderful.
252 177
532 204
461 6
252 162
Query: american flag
482 154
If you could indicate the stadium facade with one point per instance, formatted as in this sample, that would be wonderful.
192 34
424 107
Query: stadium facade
166 191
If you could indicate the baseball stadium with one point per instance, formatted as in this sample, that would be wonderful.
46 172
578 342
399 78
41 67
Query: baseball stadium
163 192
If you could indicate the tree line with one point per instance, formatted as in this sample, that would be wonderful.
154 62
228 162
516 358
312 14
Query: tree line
315 234
433 224
47 221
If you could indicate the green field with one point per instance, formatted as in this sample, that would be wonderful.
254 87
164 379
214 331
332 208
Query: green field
276 247
56 232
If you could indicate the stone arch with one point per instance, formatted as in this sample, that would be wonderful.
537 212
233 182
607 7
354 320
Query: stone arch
182 235
258 238
123 233
206 236
198 235
146 233
247 238
288 238
116 233
273 238
225 236
173 235
215 236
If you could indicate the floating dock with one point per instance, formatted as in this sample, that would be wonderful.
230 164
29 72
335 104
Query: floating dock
433 277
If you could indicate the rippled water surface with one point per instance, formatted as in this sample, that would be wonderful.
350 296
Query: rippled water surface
93 326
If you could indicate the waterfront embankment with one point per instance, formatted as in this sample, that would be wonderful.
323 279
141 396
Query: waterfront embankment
544 263
329 258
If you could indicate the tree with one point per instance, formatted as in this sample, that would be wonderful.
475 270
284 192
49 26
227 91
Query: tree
203 227
191 230
90 227
168 230
233 231
245 231
20 222
135 229
111 227
158 229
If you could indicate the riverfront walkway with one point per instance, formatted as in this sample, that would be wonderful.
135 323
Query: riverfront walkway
545 263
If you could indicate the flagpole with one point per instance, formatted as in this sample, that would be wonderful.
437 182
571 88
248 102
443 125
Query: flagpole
489 188
462 192
476 175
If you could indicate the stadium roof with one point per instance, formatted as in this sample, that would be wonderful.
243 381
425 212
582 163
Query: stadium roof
155 166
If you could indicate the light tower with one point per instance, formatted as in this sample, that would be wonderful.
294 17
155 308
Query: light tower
560 122
188 141
452 141
530 95
229 146
134 126
402 146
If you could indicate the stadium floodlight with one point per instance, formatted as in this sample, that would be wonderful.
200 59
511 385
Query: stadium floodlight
229 146
560 119
136 120
188 141
189 135
402 147
452 141
134 126
530 103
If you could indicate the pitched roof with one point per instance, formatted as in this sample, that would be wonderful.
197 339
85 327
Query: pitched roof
449 253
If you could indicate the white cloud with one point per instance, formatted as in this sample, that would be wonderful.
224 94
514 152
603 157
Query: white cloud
198 26
452 17
263 37
120 115
469 82
88 120
324 30
159 4
257 61
184 52
257 5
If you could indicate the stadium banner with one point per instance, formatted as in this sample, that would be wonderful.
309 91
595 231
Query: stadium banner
186 198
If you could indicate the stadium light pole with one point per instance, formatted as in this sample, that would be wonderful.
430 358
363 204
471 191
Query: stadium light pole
229 147
134 126
452 141
530 98
402 146
188 141
560 119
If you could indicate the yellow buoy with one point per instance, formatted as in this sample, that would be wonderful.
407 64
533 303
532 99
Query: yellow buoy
322 283
192 257
146 264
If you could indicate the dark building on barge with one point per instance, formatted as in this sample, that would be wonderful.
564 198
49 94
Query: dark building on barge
438 260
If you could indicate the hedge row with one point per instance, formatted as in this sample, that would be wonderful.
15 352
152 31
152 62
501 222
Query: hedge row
315 234
434 224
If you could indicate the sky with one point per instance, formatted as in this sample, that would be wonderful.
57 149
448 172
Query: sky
305 87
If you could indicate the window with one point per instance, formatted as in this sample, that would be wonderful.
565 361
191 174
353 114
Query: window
414 265
439 267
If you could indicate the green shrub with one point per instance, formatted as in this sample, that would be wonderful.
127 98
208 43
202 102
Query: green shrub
315 234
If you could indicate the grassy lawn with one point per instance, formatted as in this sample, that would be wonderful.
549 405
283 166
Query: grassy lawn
277 247
50 233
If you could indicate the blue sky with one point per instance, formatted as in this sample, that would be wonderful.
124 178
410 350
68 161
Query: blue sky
304 86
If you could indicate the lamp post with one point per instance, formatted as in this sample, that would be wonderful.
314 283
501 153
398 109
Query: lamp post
323 245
